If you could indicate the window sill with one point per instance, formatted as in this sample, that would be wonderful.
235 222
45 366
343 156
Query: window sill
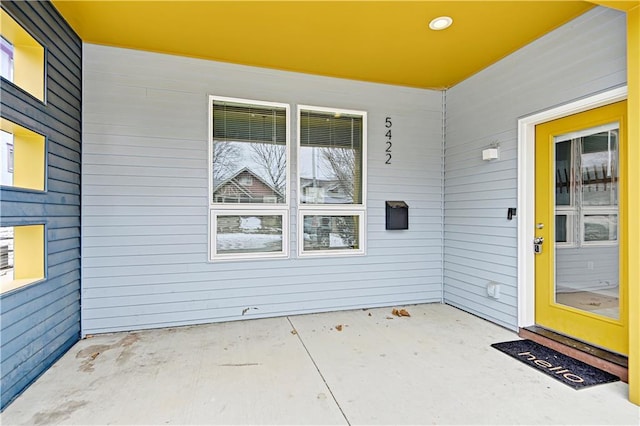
7 286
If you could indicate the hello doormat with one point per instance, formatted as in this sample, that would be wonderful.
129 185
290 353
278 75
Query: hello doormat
569 371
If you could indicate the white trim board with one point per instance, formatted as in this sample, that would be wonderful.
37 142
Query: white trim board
526 191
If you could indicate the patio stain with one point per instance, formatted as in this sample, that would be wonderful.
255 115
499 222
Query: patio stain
59 415
91 353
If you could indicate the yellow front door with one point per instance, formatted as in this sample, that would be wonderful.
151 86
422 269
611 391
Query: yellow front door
581 280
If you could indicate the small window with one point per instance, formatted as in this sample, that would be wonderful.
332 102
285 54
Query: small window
332 174
10 157
246 180
21 256
326 233
243 235
22 57
22 157
6 59
249 155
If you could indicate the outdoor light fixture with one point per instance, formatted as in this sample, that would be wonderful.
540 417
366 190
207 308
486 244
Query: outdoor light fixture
440 23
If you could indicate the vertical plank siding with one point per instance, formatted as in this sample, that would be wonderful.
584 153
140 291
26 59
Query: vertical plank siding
581 58
41 321
145 205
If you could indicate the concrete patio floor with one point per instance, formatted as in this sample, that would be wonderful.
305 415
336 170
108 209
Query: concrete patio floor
435 367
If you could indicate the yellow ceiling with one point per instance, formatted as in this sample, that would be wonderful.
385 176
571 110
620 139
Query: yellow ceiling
378 41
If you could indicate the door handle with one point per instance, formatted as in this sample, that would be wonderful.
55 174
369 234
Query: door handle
537 245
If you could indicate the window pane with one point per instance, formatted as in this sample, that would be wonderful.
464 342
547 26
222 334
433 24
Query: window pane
561 228
330 158
22 157
6 59
564 173
6 254
22 57
322 232
248 234
249 153
21 256
599 167
6 158
601 227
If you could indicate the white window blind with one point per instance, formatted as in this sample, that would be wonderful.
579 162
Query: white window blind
249 152
331 157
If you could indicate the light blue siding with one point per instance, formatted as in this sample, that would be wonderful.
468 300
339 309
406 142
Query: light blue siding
583 57
145 197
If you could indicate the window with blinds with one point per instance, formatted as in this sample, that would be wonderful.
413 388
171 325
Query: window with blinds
249 152
249 163
331 181
330 157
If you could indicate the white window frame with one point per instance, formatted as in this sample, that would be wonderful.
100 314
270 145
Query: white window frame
213 220
248 209
332 252
359 210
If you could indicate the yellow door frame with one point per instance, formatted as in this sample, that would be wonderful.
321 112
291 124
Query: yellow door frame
633 205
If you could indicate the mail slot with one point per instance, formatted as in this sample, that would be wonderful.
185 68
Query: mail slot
397 215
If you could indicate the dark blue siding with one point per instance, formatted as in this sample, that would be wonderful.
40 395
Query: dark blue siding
40 322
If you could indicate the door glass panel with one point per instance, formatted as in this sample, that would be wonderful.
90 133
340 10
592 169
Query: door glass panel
586 222
599 169
564 173
600 227
561 228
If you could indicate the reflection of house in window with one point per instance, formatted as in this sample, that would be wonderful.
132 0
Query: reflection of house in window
321 191
246 187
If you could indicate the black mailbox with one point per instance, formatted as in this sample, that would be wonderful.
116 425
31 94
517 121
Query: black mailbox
397 215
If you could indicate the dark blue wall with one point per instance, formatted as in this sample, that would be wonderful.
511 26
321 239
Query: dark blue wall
41 321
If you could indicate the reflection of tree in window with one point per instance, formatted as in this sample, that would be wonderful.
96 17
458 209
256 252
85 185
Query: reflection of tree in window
342 161
225 158
586 195
330 157
249 138
331 232
599 169
272 163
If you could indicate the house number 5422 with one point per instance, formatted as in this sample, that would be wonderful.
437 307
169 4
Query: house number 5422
387 151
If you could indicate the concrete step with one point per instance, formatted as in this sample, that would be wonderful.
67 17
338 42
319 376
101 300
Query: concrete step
603 359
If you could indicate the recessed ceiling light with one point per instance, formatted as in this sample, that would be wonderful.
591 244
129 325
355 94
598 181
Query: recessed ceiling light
440 23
